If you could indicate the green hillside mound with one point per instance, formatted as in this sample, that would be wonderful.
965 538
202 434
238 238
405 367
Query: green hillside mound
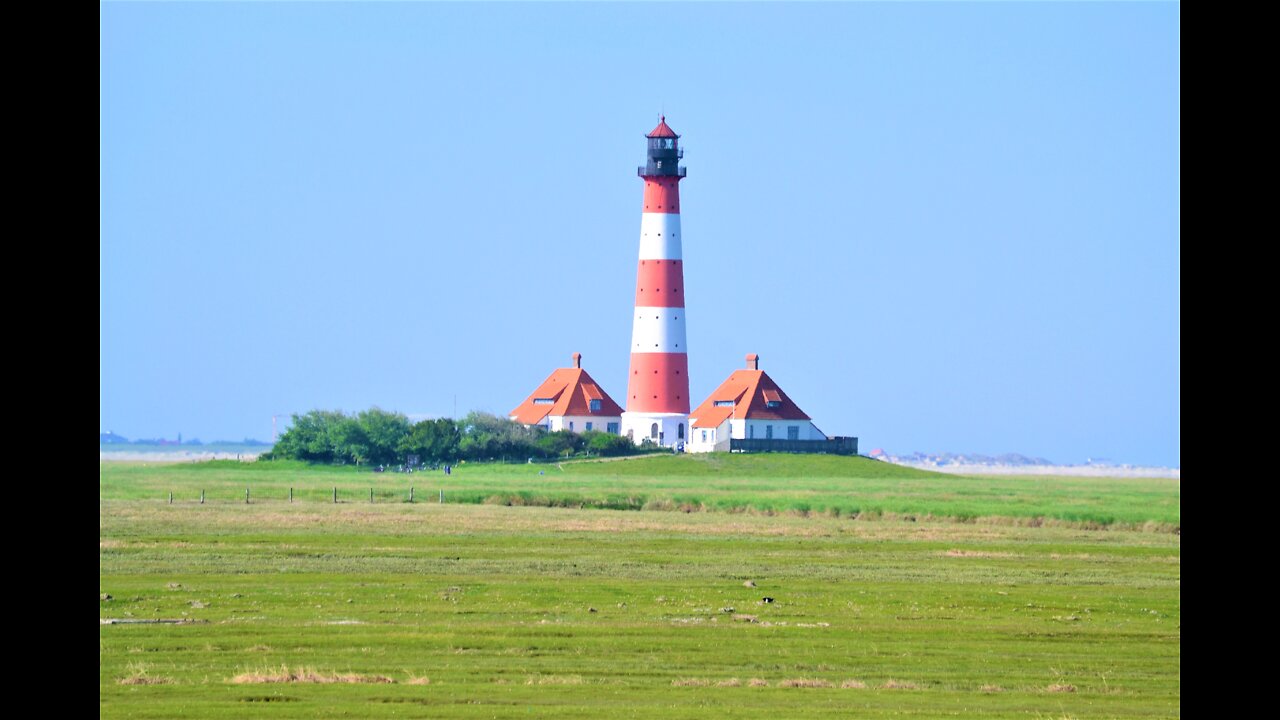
804 485
757 465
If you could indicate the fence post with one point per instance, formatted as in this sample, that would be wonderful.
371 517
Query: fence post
170 497
335 495
246 496
202 497
410 493
370 494
442 495
290 494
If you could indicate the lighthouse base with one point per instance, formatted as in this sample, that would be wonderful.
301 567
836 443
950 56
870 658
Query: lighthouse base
665 429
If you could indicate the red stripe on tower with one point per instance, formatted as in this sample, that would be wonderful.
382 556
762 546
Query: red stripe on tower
658 385
662 194
658 283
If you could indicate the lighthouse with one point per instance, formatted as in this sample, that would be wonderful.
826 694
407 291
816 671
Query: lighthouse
657 402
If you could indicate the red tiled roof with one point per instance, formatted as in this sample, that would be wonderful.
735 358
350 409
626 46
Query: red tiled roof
663 130
750 391
570 391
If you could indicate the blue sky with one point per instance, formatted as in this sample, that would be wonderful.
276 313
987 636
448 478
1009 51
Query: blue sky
942 226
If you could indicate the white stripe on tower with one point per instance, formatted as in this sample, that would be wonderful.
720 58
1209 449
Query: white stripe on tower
658 330
660 236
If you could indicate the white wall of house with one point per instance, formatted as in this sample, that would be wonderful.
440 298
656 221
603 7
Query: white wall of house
717 439
759 430
578 423
709 439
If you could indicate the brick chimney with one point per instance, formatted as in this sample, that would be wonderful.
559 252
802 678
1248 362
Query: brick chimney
577 360
753 362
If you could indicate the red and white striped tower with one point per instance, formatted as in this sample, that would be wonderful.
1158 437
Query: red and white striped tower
658 384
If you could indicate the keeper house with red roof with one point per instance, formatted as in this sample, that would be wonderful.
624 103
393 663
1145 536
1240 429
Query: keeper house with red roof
750 413
570 400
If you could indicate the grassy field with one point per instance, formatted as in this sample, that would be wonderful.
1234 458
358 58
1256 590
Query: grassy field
485 610
816 484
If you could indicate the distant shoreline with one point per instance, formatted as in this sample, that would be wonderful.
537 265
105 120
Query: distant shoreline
130 452
248 453
1123 471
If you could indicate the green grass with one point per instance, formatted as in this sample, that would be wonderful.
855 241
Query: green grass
796 484
493 605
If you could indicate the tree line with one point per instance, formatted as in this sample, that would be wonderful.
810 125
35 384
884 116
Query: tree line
379 437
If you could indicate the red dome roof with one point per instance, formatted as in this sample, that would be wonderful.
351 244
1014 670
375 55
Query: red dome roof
663 130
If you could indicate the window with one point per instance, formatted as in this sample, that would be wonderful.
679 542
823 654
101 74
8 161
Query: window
773 403
612 428
595 406
680 432
588 426
653 430
793 432
543 401
768 432
704 436
669 144
751 431
570 426
724 403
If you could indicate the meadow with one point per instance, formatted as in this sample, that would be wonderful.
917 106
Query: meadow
796 484
792 587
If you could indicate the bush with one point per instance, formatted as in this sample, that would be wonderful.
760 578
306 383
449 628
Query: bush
607 444
379 437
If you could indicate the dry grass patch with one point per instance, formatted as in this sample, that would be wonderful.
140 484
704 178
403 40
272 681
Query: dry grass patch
690 682
892 684
417 681
853 685
990 689
731 682
977 554
554 680
757 682
306 675
144 680
138 675
804 683
1061 688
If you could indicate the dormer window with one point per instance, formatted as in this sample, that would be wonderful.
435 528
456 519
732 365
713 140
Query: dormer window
544 401
595 405
773 403
724 403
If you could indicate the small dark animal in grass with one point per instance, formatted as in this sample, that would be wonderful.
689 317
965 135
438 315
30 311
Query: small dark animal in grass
766 599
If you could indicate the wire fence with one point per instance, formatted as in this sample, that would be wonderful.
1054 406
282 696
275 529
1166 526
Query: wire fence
333 495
